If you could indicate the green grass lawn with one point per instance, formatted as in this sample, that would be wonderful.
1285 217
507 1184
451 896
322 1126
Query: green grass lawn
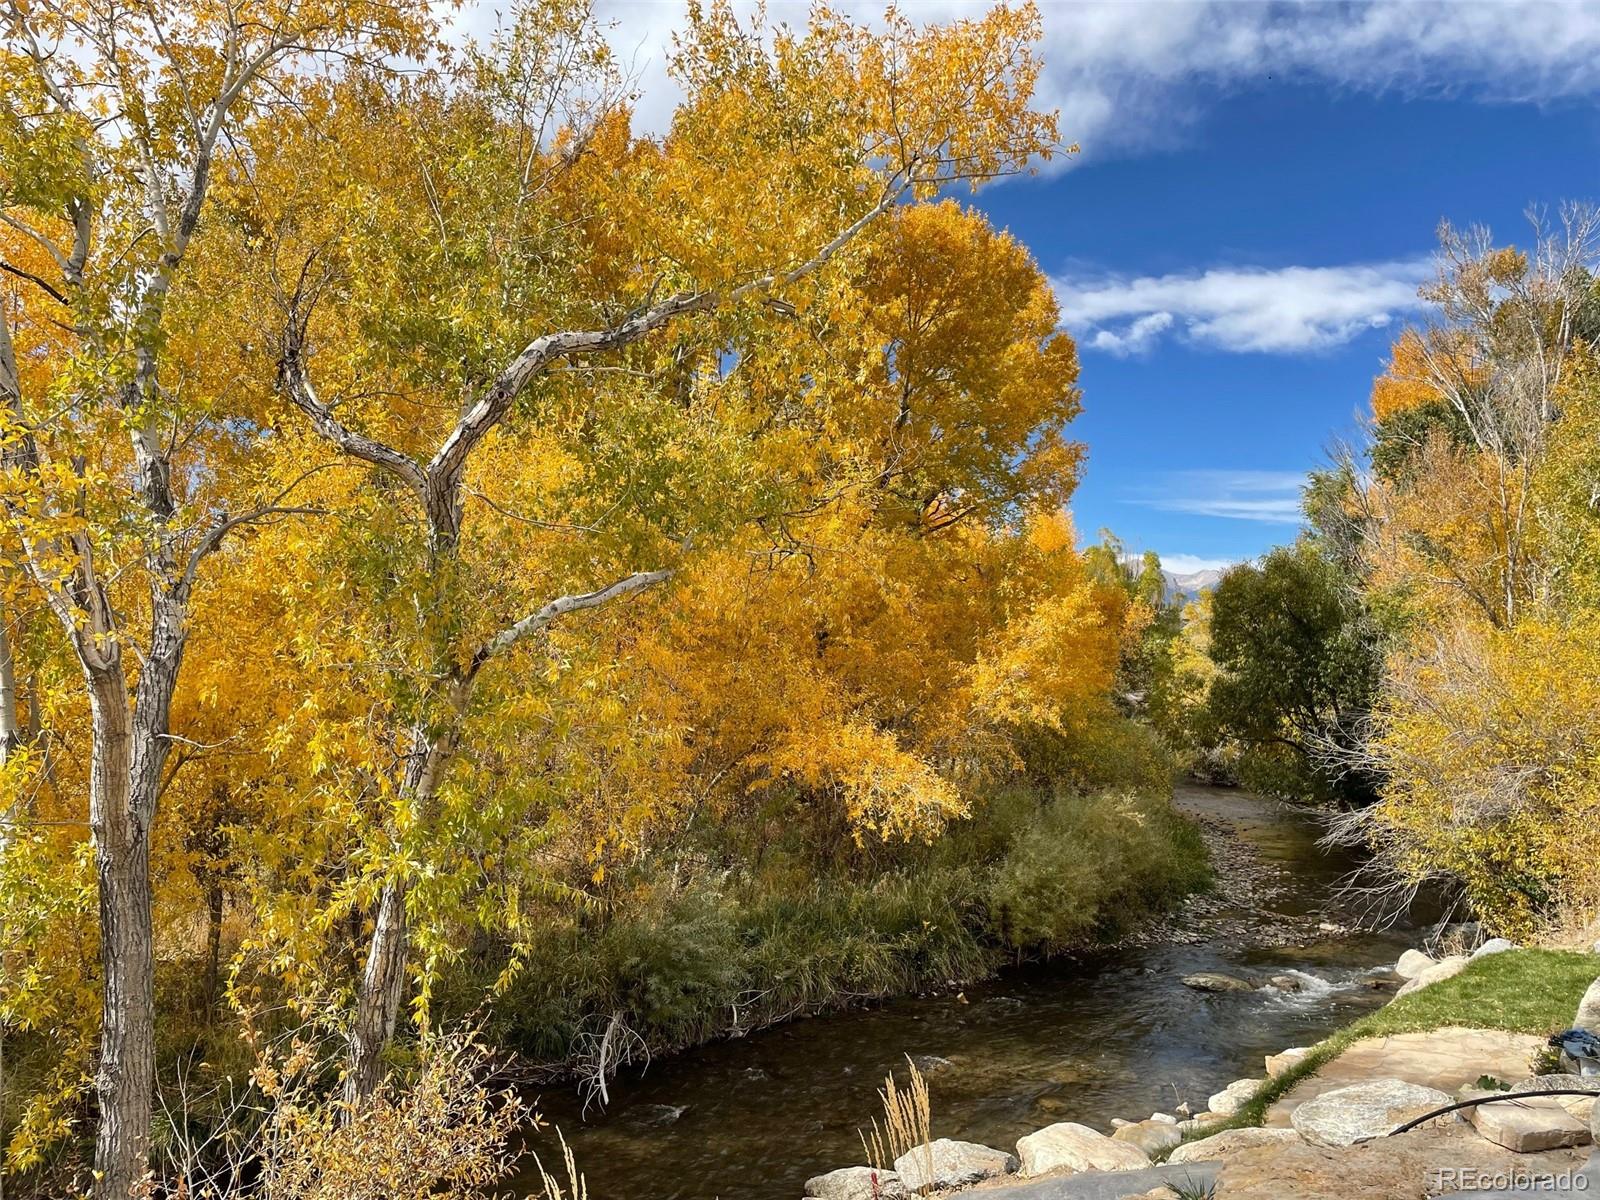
1522 991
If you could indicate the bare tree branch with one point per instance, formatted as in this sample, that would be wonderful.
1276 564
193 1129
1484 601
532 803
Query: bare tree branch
542 618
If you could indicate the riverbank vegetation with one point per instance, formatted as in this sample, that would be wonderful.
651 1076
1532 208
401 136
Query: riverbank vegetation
697 953
1423 654
469 563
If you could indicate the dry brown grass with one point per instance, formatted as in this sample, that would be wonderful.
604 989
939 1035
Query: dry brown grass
550 1188
906 1123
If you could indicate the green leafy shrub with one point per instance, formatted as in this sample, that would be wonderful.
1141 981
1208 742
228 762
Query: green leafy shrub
1086 861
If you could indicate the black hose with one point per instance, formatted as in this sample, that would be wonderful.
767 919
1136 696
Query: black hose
1491 1099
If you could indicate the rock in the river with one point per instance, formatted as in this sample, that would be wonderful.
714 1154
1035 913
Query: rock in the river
944 1163
1277 1064
1230 1141
1234 1097
1494 946
1150 1136
1364 1111
1528 1126
1077 1148
856 1183
659 1114
1287 983
1440 971
1216 981
1164 1118
1589 1009
1413 963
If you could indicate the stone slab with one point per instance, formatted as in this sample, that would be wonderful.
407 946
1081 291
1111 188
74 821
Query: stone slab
1365 1111
1446 1059
1528 1126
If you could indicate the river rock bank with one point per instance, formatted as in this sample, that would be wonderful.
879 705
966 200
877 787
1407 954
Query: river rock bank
1329 1135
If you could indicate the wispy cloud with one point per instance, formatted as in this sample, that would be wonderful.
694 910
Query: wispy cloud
1240 309
1272 497
1128 75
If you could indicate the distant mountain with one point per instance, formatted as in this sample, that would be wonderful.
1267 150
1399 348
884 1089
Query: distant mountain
1191 585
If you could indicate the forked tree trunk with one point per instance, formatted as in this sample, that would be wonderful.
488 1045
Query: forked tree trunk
432 748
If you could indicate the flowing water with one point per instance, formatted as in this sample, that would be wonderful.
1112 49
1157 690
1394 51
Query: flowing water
1116 1034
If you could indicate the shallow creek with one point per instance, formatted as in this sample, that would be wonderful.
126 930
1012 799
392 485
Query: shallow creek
1114 1034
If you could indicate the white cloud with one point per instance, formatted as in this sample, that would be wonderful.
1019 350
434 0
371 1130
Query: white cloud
1137 338
1284 310
1272 497
1124 73
1191 564
1117 69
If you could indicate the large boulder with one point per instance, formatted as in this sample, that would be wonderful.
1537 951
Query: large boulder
1230 1141
1529 1126
1364 1111
1494 946
1075 1147
1217 981
1413 963
1589 1009
1235 1096
1445 969
945 1163
1150 1136
856 1183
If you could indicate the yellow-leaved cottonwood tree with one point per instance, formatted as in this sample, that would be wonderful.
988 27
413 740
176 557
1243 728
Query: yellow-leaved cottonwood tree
121 459
465 357
486 262
1476 538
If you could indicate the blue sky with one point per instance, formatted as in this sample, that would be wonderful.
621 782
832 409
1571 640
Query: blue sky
1233 295
1252 211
